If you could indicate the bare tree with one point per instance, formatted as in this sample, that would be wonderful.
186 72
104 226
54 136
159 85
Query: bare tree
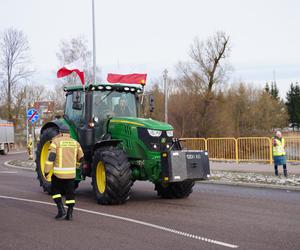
202 76
209 60
19 108
59 96
14 63
76 49
35 93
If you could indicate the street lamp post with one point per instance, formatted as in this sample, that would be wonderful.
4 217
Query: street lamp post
94 42
165 76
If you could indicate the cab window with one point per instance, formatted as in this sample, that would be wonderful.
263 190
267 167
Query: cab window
75 110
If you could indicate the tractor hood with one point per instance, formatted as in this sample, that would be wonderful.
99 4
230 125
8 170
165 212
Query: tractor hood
142 122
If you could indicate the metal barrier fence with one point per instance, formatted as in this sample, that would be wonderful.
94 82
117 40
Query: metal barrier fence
222 148
243 149
292 149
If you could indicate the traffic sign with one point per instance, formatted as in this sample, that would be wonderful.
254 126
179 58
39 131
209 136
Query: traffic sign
32 115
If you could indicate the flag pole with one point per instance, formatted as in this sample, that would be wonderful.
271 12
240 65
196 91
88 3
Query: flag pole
94 42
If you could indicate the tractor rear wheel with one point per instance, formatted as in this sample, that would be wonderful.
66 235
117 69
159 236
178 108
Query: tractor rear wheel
174 190
41 158
111 176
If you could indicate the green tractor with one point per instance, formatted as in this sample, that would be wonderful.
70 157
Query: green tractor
120 147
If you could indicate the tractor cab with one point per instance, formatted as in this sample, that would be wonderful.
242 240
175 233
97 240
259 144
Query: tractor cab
104 102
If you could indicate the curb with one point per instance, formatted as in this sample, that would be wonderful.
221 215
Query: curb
254 185
7 164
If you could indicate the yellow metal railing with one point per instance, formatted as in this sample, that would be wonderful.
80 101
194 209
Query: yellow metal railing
243 149
293 149
258 149
195 143
222 148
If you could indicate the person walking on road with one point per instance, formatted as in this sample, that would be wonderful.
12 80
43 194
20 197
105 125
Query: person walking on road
279 154
65 155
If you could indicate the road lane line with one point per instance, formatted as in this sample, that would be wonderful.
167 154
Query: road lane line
174 231
8 172
19 152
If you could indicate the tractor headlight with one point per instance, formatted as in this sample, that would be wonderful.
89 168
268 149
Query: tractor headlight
154 133
170 133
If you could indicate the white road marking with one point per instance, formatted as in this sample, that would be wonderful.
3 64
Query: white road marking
18 167
8 172
216 242
18 152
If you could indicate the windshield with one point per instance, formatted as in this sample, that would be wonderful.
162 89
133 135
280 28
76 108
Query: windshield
114 104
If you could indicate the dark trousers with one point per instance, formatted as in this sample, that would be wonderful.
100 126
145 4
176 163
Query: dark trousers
284 169
63 186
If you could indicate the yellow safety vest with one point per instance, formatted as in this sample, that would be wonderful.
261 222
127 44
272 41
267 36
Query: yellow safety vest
278 150
68 153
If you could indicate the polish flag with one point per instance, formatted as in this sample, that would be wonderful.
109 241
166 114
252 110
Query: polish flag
70 68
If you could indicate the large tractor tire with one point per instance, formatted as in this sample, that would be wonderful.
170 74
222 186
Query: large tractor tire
111 176
41 158
174 190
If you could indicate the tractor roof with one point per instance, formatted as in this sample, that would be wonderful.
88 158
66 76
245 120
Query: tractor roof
104 86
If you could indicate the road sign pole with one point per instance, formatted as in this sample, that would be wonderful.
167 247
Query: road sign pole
32 135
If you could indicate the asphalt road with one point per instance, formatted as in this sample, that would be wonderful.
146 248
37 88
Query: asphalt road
213 217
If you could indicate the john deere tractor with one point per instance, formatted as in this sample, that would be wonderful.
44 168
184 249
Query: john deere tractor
122 148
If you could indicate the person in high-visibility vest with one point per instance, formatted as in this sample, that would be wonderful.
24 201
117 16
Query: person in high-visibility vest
65 155
279 154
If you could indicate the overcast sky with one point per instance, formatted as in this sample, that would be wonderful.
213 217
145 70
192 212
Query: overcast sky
148 36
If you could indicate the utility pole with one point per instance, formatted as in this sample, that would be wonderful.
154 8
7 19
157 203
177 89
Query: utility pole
165 76
94 42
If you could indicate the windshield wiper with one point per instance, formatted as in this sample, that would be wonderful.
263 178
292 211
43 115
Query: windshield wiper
104 97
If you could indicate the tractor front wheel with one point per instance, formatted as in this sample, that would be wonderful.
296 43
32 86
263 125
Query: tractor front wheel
111 176
41 158
174 190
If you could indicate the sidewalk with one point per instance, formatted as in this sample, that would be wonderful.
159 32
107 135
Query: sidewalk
293 168
255 175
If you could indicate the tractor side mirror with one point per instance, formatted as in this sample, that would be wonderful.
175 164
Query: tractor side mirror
151 103
76 98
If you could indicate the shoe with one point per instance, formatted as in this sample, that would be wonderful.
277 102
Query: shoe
61 210
285 173
69 215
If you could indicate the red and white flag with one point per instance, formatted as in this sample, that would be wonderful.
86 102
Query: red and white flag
70 68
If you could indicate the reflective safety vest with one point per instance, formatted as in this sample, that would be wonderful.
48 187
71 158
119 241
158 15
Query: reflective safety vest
63 157
278 147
